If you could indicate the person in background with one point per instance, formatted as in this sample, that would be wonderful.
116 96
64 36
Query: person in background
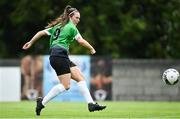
63 32
31 81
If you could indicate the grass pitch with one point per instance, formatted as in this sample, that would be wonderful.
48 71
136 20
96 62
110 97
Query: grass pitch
78 110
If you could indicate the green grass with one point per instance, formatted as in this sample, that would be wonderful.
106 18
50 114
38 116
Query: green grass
72 110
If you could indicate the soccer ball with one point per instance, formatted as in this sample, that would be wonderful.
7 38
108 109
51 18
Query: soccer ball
170 76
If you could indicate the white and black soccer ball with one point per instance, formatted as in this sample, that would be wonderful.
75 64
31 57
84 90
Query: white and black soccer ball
170 76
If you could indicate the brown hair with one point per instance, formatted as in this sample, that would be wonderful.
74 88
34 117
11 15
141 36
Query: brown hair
64 17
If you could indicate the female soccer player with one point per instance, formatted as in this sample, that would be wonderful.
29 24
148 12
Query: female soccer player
62 33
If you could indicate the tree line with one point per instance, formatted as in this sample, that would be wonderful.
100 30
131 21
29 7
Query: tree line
119 28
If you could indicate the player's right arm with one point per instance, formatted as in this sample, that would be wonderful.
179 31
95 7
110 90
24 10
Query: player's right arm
37 36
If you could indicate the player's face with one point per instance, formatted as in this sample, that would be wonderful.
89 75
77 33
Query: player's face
76 18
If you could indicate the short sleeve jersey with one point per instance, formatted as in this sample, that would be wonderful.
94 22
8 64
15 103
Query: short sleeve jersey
63 36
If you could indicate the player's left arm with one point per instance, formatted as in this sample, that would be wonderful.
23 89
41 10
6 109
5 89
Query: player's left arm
85 43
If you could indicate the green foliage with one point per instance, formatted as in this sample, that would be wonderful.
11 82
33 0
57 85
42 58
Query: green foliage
119 28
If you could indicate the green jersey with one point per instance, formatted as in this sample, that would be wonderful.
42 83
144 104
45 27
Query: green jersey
63 36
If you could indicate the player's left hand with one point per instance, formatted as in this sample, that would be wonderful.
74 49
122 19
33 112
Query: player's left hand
92 51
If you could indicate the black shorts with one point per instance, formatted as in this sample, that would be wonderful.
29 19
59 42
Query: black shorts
60 61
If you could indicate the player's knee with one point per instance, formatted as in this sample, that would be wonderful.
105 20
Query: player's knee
67 86
79 76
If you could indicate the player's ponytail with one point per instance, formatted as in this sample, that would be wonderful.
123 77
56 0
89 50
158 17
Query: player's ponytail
64 17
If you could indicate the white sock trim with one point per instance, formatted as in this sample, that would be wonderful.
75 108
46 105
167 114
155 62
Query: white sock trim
59 88
85 91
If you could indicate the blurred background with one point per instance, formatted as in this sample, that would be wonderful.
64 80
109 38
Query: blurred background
135 42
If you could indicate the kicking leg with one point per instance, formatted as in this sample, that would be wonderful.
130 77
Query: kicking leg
77 75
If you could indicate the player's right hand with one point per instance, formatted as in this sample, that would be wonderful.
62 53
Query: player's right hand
27 45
